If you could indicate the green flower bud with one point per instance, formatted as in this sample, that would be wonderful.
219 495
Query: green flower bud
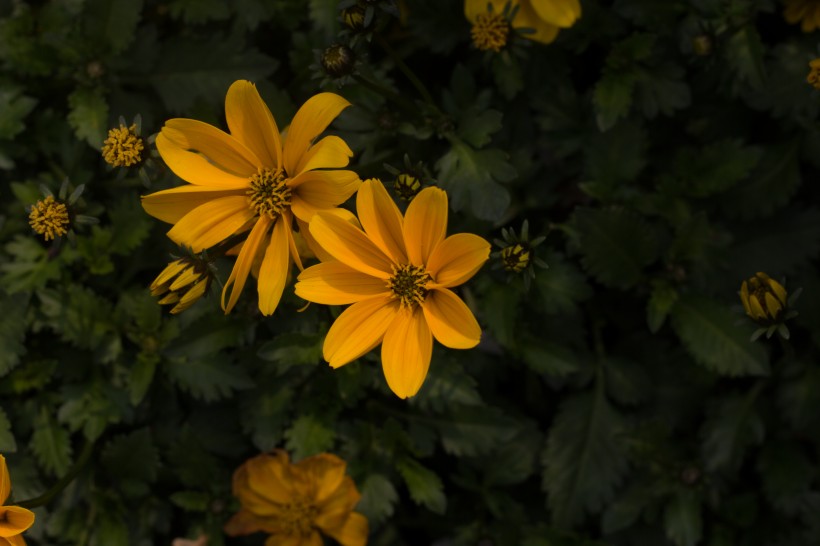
407 186
516 257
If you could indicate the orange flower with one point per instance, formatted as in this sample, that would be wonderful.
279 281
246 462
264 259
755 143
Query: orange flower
297 503
13 519
544 17
397 273
252 180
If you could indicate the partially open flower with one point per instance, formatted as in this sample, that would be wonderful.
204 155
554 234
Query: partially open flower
182 282
517 252
767 303
123 147
338 61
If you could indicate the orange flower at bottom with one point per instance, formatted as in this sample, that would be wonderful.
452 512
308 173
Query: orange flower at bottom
13 519
297 503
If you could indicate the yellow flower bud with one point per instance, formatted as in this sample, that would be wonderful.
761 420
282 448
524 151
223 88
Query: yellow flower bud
764 299
516 257
182 282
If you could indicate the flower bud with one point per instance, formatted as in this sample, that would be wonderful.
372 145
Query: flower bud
182 282
338 60
407 186
353 18
764 299
123 147
516 257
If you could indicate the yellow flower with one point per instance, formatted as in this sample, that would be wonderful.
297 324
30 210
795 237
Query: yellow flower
123 147
763 298
297 503
49 218
13 519
545 17
252 179
397 272
805 12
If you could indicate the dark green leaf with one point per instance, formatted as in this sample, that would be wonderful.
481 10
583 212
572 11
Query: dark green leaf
50 444
425 487
89 115
378 498
308 436
682 519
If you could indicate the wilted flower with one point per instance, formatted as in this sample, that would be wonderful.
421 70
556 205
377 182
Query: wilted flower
805 12
397 272
252 180
14 520
539 20
182 282
297 503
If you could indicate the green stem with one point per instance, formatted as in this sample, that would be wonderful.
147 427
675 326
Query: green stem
58 487
408 73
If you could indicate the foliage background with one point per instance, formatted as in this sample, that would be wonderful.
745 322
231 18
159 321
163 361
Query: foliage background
666 149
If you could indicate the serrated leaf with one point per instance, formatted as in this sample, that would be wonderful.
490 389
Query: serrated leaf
378 498
308 436
446 386
119 457
192 501
618 155
709 332
714 168
626 381
189 70
129 225
16 106
208 378
476 126
88 115
516 460
425 486
549 359
50 444
30 267
264 417
562 286
731 428
142 375
682 519
787 474
583 462
615 245
474 430
471 178
744 54
661 89
293 349
7 442
114 20
626 508
612 98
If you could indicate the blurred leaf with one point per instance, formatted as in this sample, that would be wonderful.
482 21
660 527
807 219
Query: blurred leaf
516 460
714 168
7 442
425 487
114 20
265 417
30 267
142 374
89 115
188 70
626 381
709 333
613 98
618 155
682 519
731 428
16 106
192 501
12 331
661 302
325 15
199 11
208 378
787 474
562 285
476 126
583 463
662 90
132 461
799 399
308 436
471 177
50 444
549 359
293 349
474 430
615 245
378 498
129 225
744 55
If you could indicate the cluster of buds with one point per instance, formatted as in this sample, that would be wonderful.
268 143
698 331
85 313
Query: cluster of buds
410 179
768 304
517 254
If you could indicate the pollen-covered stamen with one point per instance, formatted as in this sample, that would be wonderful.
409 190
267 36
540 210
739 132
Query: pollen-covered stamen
269 194
490 31
49 218
409 284
123 147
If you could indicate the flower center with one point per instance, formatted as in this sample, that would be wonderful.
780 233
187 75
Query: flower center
490 31
409 284
269 194
49 218
123 147
298 517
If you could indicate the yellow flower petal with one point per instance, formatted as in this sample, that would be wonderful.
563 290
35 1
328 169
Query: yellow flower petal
744 297
195 168
263 481
458 258
239 273
381 219
336 508
406 352
14 520
14 541
314 539
171 205
318 190
334 283
349 245
358 329
246 522
528 18
251 122
287 218
353 532
561 13
425 224
329 153
450 320
325 472
757 309
211 222
219 147
274 271
5 481
316 248
312 118
779 291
